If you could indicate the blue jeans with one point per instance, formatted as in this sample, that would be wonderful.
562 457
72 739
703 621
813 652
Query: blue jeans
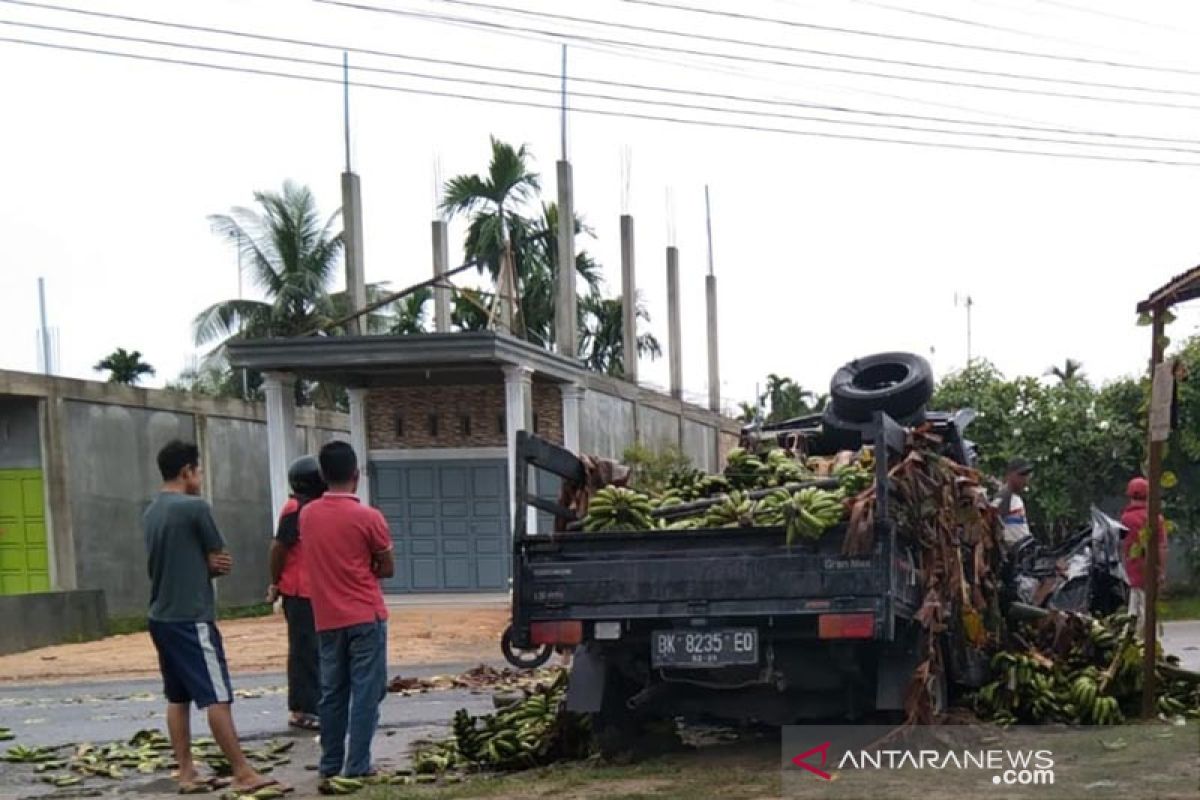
353 684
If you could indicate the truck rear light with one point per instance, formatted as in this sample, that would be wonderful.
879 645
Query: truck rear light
564 632
846 626
607 630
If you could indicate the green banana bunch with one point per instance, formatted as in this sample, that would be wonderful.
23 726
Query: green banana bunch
811 512
744 470
340 786
853 479
6 734
616 508
735 510
20 754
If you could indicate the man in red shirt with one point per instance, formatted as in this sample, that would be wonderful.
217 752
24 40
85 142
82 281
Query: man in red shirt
1134 518
289 580
348 548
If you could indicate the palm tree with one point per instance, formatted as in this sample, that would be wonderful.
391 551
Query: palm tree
410 312
489 200
292 255
1069 372
602 343
124 367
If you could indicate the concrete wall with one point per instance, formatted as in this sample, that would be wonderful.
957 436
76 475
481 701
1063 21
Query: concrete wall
657 429
101 442
20 443
112 477
61 617
606 426
700 445
239 481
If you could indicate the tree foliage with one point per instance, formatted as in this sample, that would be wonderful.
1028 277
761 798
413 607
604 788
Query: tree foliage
503 206
1085 443
124 367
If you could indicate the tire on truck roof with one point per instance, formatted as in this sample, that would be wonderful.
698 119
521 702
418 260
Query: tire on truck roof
899 384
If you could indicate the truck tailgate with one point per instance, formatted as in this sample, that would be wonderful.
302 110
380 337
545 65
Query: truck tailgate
719 572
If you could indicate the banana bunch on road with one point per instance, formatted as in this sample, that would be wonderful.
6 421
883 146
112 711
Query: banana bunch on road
811 512
616 508
6 734
335 785
1096 681
534 730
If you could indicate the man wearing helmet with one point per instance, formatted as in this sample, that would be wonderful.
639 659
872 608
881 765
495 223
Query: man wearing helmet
1133 548
289 580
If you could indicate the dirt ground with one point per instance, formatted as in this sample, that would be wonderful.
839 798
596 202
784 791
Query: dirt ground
417 635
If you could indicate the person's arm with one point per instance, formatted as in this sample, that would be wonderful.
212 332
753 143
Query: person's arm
220 562
379 538
286 537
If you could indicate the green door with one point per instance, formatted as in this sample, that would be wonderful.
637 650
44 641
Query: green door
24 564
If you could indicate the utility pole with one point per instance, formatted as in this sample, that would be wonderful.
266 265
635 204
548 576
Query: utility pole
968 302
1153 510
47 367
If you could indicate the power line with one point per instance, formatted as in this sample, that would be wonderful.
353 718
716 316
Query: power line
913 39
1118 17
560 35
606 112
602 97
535 73
692 63
973 23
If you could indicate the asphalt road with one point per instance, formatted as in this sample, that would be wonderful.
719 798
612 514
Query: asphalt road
110 711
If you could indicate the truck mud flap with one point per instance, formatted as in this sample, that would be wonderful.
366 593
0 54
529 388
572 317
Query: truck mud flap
585 691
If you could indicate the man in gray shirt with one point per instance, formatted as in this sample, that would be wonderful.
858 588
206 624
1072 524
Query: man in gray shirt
185 551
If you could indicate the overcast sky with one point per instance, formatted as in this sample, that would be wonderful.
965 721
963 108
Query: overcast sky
824 248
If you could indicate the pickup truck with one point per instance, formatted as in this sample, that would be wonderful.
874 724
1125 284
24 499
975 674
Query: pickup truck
730 623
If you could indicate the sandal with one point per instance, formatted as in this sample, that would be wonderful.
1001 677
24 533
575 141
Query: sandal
305 722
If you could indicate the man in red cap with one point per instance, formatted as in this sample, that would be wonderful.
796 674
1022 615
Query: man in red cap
1133 549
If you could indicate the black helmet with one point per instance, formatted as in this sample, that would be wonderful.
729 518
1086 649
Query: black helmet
304 476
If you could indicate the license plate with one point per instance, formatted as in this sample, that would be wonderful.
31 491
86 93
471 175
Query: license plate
708 648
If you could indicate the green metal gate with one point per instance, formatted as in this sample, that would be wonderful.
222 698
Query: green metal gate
24 560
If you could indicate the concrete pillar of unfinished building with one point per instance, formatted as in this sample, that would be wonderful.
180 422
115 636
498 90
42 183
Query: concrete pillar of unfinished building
279 389
518 415
356 282
714 360
441 264
565 321
358 440
628 300
674 327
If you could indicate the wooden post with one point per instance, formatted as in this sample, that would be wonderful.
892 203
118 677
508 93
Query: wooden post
1154 509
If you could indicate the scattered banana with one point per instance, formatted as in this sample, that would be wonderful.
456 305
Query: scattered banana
1096 683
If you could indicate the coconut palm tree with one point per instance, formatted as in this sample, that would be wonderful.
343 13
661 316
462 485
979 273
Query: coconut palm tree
492 201
410 312
602 341
1069 372
124 367
292 254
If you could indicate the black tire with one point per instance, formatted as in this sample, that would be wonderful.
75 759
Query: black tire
837 435
899 384
523 659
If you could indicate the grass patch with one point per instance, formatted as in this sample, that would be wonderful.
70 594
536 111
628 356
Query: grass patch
732 773
1181 607
137 623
